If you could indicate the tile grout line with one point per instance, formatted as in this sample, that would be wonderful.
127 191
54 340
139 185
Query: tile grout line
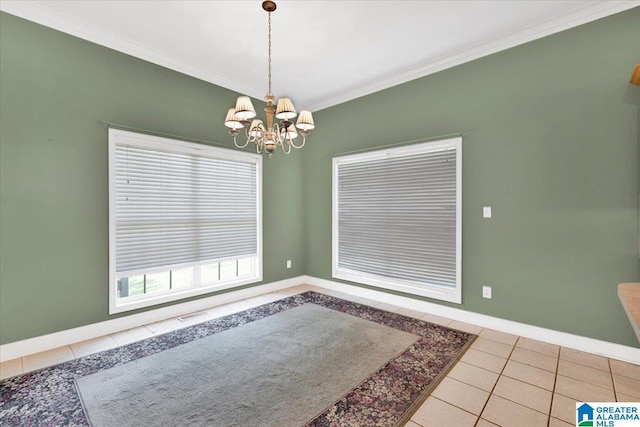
613 380
462 382
455 406
578 380
73 352
497 379
585 382
588 366
555 381
517 403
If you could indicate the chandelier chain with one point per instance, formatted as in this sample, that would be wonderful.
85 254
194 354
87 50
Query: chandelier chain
269 92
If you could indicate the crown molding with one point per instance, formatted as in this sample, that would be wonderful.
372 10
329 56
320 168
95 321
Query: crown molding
37 13
579 16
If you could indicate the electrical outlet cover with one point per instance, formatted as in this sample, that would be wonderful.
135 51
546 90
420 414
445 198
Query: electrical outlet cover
486 292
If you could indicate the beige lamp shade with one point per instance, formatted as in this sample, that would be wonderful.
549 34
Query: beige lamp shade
257 128
285 109
305 121
290 132
244 108
232 121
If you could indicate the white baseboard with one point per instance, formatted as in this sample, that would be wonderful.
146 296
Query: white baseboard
29 346
577 342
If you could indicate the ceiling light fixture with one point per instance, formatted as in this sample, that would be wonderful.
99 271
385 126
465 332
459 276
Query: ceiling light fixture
268 138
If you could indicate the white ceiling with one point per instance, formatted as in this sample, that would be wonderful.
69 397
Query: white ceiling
324 52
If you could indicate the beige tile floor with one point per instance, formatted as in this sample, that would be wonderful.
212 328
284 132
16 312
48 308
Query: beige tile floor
502 380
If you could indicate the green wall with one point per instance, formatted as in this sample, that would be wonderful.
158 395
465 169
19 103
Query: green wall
55 89
550 142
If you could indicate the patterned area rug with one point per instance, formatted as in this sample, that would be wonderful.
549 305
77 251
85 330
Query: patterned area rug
386 398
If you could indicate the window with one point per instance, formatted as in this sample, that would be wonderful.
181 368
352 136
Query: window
397 219
184 219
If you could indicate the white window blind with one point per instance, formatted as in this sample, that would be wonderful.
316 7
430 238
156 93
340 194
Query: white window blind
176 204
175 208
397 218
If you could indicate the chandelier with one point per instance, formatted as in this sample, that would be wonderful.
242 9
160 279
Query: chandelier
273 135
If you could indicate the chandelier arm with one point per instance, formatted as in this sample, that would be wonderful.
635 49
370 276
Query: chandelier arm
304 139
286 143
278 135
238 145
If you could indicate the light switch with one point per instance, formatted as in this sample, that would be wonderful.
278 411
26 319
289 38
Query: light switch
486 212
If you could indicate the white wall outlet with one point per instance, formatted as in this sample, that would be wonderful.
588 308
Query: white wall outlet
486 211
288 263
486 292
